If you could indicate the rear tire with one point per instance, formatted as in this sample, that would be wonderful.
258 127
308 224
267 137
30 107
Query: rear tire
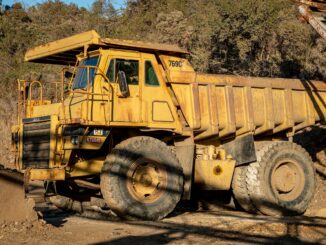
239 189
282 180
142 179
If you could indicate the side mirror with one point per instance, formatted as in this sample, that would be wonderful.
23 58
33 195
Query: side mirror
123 85
68 74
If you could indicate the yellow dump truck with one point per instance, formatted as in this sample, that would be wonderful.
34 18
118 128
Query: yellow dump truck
133 123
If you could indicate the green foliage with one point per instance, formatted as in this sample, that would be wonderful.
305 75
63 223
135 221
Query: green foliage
259 38
246 37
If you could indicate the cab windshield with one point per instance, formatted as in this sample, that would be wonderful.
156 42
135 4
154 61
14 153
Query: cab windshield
80 80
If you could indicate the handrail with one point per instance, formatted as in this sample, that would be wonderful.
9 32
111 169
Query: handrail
32 84
88 93
23 97
23 87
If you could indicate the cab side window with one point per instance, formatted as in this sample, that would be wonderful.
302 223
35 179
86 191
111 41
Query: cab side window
150 76
130 68
110 72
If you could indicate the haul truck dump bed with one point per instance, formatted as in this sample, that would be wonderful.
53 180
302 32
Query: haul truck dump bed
222 105
138 128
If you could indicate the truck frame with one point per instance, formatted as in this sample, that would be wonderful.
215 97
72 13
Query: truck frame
133 123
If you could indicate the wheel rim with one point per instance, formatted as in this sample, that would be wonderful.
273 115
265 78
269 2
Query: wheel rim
287 180
146 180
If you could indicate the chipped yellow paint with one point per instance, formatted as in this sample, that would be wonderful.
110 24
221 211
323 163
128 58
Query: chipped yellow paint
47 174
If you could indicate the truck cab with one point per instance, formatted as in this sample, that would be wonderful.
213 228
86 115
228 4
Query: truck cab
130 83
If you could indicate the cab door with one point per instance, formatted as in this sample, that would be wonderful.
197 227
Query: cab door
158 107
125 109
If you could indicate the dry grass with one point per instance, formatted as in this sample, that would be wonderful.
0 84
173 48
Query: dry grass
8 115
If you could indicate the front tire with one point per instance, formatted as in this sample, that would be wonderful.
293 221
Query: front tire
282 180
142 179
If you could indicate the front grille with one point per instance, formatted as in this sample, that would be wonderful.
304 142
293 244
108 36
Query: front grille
36 142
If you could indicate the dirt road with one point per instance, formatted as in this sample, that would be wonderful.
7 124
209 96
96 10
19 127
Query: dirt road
188 225
207 223
14 206
215 227
218 225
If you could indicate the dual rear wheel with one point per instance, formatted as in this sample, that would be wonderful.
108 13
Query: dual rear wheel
280 182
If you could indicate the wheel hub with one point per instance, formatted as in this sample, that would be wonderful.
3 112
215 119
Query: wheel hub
287 180
146 179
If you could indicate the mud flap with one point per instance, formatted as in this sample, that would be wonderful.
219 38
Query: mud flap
242 149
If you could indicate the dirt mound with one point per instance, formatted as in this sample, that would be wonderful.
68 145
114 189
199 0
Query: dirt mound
14 206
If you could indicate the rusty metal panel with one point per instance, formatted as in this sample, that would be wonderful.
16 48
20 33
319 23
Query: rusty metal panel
47 174
313 13
312 3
